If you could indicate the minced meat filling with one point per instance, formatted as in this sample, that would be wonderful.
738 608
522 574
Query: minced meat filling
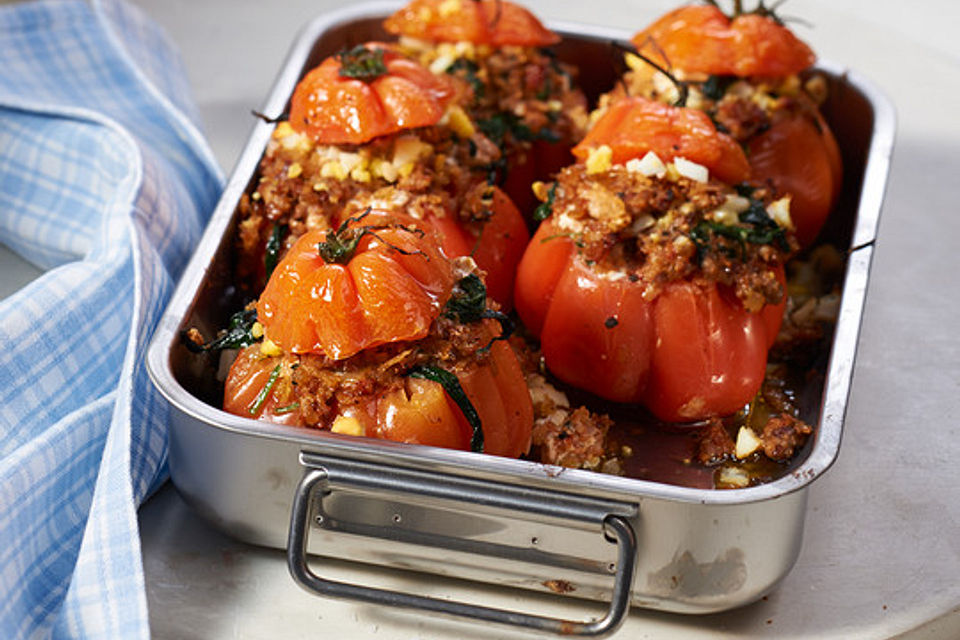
324 388
302 186
657 230
528 83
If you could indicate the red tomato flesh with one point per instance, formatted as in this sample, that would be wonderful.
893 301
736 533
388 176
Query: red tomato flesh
492 22
701 39
333 109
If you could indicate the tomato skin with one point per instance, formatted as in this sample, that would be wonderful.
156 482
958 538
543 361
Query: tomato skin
540 162
496 243
541 267
635 125
690 353
799 156
499 248
492 22
248 375
423 413
420 413
701 39
595 331
710 356
332 109
391 289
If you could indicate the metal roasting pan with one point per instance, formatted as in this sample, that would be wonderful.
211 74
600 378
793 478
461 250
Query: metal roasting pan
483 518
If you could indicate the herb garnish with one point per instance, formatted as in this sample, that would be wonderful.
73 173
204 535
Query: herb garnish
468 303
239 334
274 244
341 243
254 408
544 209
290 408
469 69
503 123
362 63
715 86
761 229
452 386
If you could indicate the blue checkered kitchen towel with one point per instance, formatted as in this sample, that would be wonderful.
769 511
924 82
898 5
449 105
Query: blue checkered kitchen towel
105 183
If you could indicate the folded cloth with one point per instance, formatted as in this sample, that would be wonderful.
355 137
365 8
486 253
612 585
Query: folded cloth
105 183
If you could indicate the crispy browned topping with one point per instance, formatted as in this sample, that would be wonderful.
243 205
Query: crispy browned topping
657 230
325 388
535 89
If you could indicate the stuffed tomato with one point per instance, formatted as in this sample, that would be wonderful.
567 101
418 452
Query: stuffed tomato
650 282
370 122
521 96
750 73
370 330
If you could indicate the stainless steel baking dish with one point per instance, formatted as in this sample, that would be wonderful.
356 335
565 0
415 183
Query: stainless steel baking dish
482 518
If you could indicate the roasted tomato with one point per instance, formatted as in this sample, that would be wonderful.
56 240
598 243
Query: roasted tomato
367 92
523 98
491 22
691 352
744 72
371 330
650 283
395 406
431 161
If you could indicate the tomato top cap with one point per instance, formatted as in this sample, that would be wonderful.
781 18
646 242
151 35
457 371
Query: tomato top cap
634 126
492 22
367 92
702 39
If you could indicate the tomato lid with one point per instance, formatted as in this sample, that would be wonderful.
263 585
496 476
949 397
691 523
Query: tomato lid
702 39
635 125
367 92
492 22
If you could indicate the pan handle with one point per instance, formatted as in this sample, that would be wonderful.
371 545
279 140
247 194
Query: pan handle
616 526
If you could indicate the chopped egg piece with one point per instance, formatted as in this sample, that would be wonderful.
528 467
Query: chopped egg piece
441 64
747 443
649 165
459 121
729 212
599 160
734 477
347 425
692 170
408 150
333 169
269 348
779 210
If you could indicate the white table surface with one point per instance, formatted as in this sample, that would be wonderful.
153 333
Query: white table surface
881 552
